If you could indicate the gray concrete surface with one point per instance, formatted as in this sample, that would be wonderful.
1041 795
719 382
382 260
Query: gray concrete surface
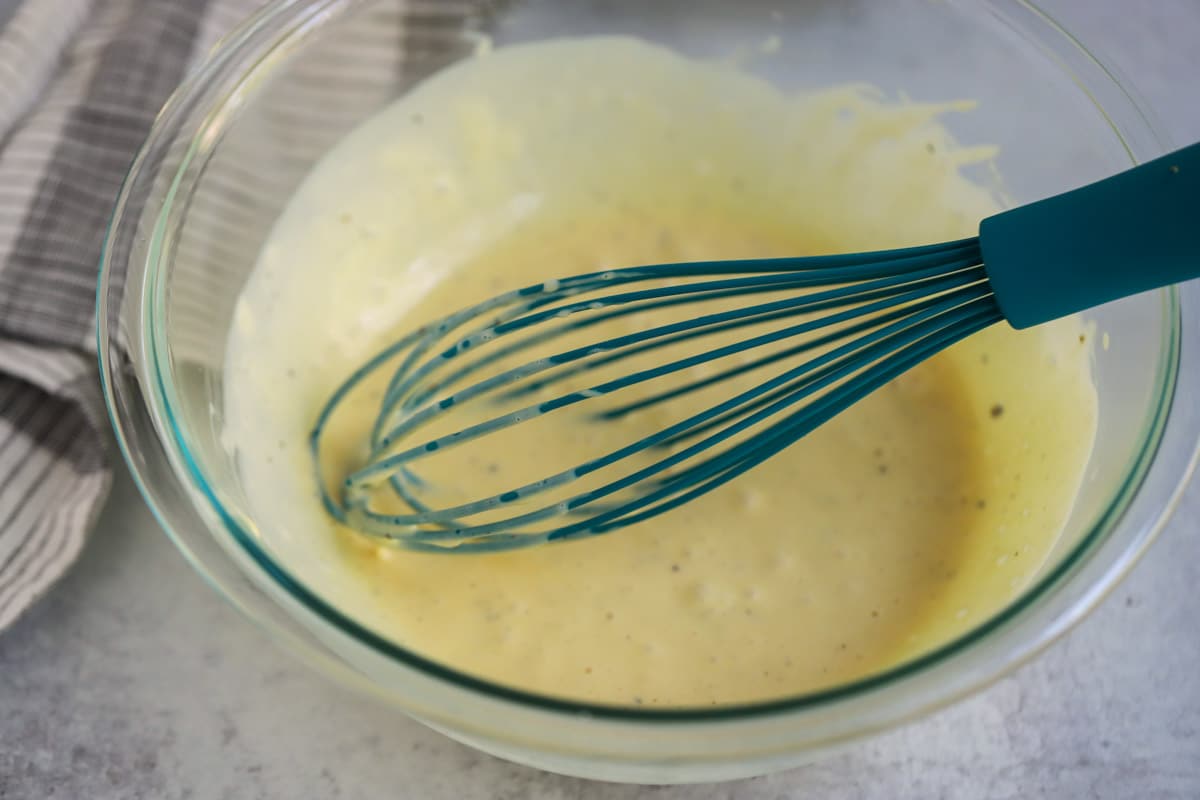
134 680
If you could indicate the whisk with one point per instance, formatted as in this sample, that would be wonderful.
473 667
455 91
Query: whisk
733 361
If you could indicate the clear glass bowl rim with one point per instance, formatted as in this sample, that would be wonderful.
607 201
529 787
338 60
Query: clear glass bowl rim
278 20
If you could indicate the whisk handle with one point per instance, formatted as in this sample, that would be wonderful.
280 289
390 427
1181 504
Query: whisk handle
1135 231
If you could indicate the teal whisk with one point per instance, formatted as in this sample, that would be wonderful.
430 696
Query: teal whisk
733 360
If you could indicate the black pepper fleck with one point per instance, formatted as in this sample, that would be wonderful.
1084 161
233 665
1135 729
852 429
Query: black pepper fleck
997 411
981 503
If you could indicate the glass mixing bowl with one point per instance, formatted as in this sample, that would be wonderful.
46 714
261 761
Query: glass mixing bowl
232 144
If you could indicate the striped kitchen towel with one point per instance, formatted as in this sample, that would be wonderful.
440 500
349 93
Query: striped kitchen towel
80 84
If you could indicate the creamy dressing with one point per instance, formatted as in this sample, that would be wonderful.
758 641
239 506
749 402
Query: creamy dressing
903 522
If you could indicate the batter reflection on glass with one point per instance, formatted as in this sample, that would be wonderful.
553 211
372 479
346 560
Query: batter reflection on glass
897 526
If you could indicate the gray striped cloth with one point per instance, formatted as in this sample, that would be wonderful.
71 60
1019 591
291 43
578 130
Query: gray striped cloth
80 84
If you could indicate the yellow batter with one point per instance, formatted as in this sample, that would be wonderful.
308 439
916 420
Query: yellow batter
905 521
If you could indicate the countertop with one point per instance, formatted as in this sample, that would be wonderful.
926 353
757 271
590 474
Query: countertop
132 679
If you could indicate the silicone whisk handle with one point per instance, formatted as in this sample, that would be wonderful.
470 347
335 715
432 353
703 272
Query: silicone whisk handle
1135 231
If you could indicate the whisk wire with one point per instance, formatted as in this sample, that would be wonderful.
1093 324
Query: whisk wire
799 383
886 313
719 469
